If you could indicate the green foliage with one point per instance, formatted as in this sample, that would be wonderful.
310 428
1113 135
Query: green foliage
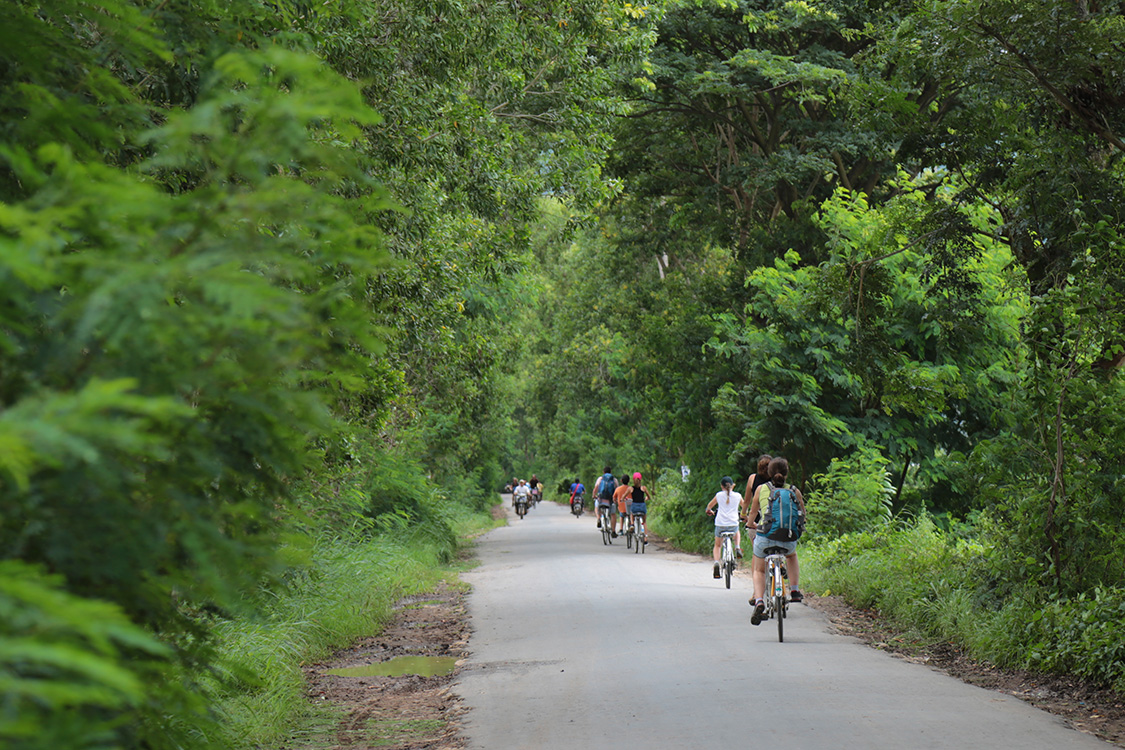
677 514
744 122
71 669
854 494
942 586
870 344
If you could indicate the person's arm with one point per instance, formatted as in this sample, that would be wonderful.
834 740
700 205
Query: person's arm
755 507
711 505
800 500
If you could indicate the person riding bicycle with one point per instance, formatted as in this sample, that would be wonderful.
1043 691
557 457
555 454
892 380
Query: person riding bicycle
577 492
533 485
756 480
778 471
638 497
621 500
520 493
727 502
603 491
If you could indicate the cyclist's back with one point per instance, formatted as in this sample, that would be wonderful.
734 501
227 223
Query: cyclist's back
638 505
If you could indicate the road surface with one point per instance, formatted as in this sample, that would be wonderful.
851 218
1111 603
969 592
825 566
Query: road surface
579 646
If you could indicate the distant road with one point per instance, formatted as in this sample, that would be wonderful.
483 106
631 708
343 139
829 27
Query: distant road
578 646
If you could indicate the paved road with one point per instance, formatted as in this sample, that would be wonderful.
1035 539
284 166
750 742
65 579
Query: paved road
578 646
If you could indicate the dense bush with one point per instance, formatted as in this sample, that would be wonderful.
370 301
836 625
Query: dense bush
948 586
854 494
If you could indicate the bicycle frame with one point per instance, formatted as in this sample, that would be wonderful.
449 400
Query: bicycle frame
728 546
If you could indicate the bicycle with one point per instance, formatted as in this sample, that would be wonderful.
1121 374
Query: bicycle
640 535
607 529
728 564
777 589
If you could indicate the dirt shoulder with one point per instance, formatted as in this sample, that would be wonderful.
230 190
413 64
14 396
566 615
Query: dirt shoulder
409 712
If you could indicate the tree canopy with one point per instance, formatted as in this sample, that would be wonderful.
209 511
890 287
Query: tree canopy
252 252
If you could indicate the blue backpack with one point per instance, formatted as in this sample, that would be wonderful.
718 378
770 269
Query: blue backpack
783 521
606 488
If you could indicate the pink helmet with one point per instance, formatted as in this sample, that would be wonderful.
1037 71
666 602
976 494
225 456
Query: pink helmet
636 475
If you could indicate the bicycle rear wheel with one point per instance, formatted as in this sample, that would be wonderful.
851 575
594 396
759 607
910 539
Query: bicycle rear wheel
629 538
779 613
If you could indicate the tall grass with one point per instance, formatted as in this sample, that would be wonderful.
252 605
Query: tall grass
945 586
678 516
346 591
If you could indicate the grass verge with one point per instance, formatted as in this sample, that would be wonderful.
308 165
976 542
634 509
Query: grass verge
347 591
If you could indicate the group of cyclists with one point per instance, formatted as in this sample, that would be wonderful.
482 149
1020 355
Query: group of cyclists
624 502
730 507
627 500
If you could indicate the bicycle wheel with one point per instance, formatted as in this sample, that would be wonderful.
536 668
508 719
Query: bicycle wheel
728 558
642 540
779 605
629 537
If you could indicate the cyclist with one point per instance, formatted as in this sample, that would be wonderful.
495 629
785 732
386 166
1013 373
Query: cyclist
621 500
577 491
603 491
727 503
778 471
533 485
755 481
520 493
638 497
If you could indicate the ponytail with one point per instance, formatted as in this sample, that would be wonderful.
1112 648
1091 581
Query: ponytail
778 471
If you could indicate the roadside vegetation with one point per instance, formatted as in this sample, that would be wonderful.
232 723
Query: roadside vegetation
288 292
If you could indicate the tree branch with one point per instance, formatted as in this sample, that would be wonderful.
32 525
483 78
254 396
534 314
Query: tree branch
1065 102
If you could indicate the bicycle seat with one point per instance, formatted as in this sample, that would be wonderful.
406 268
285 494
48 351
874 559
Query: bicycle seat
775 551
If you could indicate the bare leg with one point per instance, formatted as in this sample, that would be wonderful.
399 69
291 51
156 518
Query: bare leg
758 565
793 569
715 551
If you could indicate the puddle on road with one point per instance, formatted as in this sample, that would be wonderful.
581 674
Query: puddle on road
424 666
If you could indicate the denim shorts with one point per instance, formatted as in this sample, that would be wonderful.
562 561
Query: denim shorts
635 508
761 542
720 530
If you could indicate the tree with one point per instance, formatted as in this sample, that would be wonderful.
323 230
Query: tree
871 345
748 115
